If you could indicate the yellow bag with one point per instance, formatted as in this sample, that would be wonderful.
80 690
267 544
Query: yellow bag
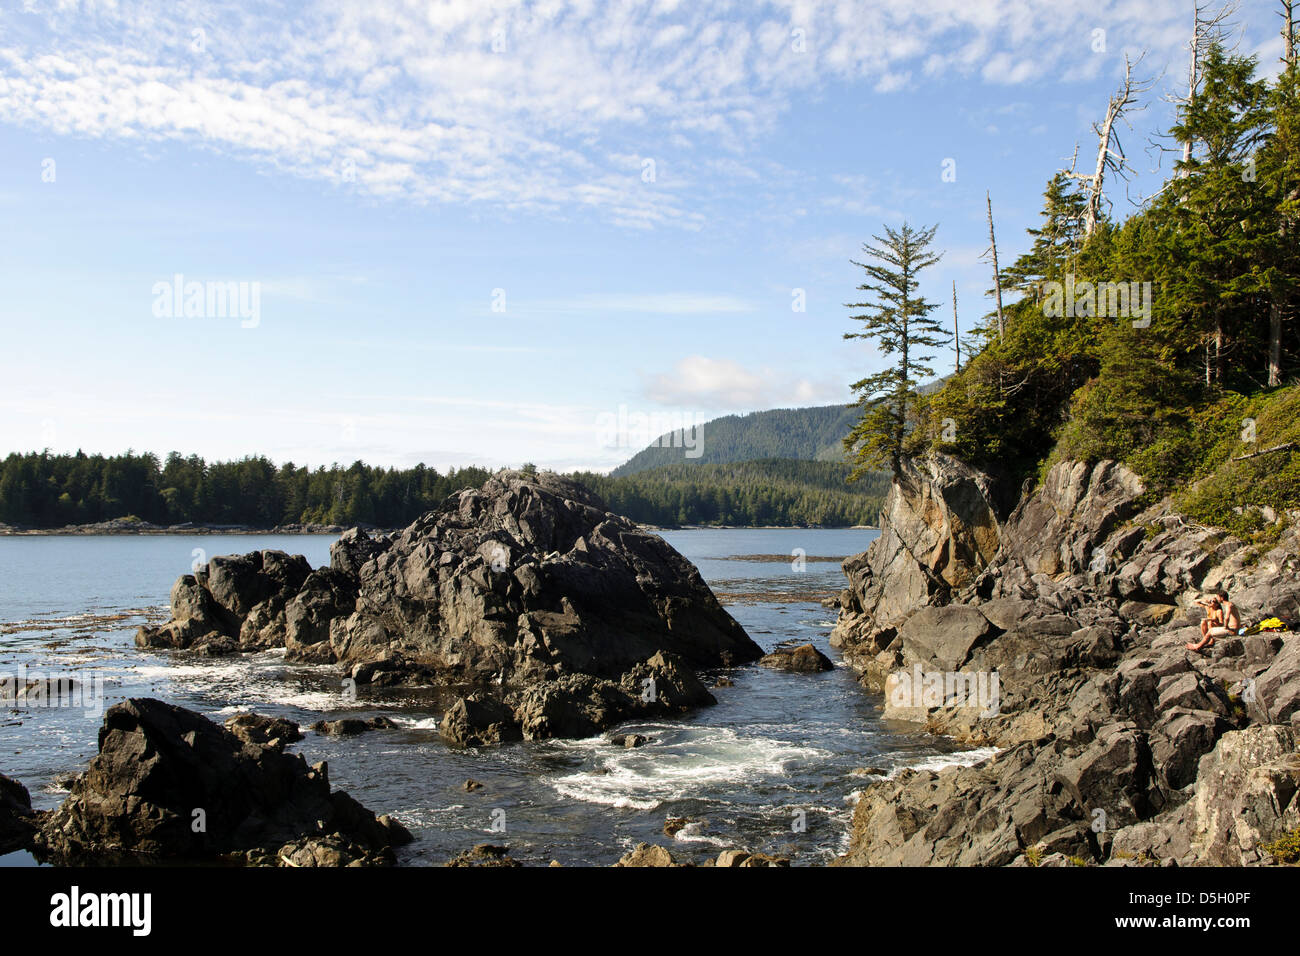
1268 624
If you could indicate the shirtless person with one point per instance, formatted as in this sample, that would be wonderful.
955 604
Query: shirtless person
1220 618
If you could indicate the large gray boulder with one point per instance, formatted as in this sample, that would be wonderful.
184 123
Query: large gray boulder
169 784
17 821
516 586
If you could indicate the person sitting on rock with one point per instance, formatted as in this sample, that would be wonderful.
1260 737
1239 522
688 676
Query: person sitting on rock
1220 618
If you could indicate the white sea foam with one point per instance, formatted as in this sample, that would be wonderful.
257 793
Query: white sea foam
679 763
937 762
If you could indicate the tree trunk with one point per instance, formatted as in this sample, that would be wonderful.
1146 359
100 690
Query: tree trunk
997 274
1275 342
956 334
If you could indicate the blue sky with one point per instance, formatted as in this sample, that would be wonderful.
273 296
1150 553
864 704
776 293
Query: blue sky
477 230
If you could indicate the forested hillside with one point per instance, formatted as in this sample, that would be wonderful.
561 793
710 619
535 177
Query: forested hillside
1167 340
52 491
806 434
767 492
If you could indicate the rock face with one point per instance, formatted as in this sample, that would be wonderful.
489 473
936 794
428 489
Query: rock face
576 705
169 784
17 821
1116 744
797 657
512 587
938 530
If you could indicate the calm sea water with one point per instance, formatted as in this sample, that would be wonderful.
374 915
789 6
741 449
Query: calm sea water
773 767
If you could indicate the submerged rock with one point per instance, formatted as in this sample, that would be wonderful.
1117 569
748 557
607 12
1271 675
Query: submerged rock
802 657
169 784
485 854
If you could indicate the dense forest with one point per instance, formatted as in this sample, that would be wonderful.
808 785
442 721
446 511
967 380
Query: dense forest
48 491
1167 340
807 434
768 492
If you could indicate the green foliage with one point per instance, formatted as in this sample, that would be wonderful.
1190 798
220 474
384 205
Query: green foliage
1285 850
1164 388
779 492
809 434
898 322
48 491
1267 480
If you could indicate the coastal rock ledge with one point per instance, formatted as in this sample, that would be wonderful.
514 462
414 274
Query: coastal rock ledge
1055 631
552 615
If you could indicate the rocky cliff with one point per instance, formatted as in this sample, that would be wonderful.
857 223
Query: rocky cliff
1057 633
555 615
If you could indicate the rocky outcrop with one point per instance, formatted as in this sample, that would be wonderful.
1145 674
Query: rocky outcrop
17 820
939 529
793 656
169 784
526 586
576 705
1067 653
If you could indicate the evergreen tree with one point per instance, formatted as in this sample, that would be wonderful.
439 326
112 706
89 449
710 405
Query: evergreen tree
900 324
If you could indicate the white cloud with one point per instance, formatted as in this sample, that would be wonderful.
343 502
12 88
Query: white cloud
700 382
503 103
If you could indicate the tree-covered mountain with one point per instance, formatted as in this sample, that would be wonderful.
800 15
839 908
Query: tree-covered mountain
804 434
1167 340
772 491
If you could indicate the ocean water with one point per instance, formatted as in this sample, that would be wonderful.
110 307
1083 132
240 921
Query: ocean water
774 767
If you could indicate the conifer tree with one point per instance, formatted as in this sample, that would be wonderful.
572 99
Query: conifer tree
899 322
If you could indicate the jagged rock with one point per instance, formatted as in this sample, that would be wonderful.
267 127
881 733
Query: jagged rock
1179 740
1276 694
17 821
939 529
1121 746
1059 529
169 784
485 854
804 658
274 732
353 549
630 742
1112 775
521 585
331 851
326 594
645 854
743 858
477 721
1245 795
351 726
944 636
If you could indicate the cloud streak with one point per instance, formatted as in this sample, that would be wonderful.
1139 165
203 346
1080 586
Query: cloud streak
548 107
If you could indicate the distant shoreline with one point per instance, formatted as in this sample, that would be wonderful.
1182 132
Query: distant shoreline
127 528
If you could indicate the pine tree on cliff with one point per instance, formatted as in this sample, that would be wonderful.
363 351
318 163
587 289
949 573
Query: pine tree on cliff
899 322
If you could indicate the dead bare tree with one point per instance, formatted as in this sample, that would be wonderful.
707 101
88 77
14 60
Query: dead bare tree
1207 29
1288 31
1287 225
992 252
1110 150
956 336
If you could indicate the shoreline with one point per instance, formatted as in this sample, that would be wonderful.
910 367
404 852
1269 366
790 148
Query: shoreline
115 529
